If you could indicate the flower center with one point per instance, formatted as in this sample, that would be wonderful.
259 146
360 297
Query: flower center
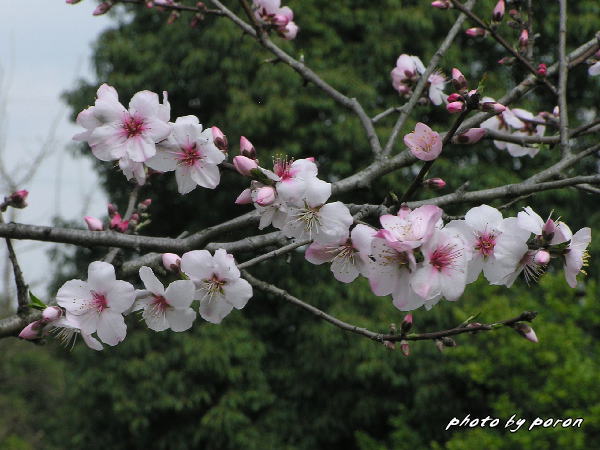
310 219
189 155
425 143
485 244
99 302
133 126
281 167
444 257
212 287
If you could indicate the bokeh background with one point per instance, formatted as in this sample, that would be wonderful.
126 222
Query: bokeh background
272 376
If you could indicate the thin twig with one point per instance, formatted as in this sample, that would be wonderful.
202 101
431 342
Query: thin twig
563 73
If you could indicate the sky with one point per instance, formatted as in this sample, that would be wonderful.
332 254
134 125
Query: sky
45 45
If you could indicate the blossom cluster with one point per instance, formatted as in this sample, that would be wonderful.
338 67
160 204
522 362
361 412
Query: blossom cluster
270 12
419 260
142 137
293 199
406 74
99 304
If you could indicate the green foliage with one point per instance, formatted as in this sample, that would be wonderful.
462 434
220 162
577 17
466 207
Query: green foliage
273 376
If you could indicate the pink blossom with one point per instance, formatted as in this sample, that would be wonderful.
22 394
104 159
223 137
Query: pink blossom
93 224
289 31
133 170
505 122
66 331
542 257
219 287
97 305
437 81
424 143
497 244
471 136
576 255
498 12
542 69
118 224
323 223
114 132
454 97
444 269
434 183
190 151
348 257
409 229
297 179
51 313
171 262
264 196
166 308
524 38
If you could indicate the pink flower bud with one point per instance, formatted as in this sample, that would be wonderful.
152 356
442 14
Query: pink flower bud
441 4
112 210
556 111
455 107
93 224
135 218
435 183
117 224
407 323
454 97
72 2
51 313
492 107
526 331
171 262
507 60
102 8
549 229
244 165
542 70
542 257
246 148
280 20
404 347
524 38
476 32
310 158
265 196
290 31
244 198
390 345
498 13
32 331
219 139
471 136
16 200
146 203
458 80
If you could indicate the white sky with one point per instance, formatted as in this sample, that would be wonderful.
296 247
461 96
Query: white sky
45 45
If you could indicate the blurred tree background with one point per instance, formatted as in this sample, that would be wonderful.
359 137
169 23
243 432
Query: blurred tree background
272 376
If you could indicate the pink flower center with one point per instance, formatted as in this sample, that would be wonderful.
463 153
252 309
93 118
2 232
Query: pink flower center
443 257
281 167
160 303
133 126
99 302
189 155
425 142
211 287
485 244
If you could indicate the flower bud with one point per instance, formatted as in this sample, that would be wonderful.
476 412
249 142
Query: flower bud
32 331
476 32
244 198
492 107
117 224
434 183
458 80
246 148
16 200
280 20
143 206
441 4
102 8
507 60
404 347
112 210
135 218
51 313
498 12
265 196
542 257
454 97
72 2
526 331
93 224
524 38
171 262
244 165
542 69
219 139
390 345
407 323
455 107
471 136
290 31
